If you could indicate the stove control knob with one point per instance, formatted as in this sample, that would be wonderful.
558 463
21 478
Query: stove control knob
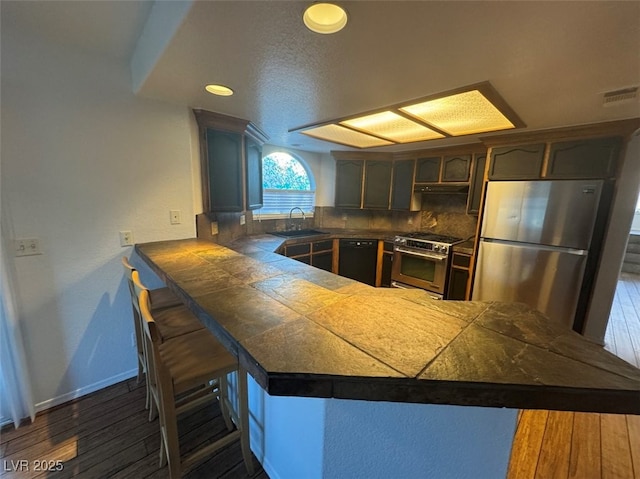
436 247
444 249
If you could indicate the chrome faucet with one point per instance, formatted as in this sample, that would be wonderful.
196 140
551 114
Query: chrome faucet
291 219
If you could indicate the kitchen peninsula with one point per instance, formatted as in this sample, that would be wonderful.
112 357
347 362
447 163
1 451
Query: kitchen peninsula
397 364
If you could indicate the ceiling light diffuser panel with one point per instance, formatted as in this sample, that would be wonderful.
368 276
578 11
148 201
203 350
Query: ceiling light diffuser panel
391 126
462 114
345 136
465 111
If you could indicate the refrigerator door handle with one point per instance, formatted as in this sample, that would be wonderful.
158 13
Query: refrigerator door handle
517 244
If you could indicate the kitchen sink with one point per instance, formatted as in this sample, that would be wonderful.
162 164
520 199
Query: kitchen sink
297 233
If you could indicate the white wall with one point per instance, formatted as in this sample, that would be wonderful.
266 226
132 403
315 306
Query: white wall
623 209
82 159
327 178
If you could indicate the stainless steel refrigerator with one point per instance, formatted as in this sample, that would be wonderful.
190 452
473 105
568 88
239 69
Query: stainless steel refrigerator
535 244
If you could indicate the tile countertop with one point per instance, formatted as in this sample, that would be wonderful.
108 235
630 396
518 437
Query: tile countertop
301 331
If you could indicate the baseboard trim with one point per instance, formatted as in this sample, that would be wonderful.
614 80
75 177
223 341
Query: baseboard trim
70 396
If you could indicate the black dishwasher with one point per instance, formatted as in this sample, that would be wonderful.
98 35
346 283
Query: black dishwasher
358 260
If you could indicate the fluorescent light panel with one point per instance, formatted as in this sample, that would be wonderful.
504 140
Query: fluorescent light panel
462 114
346 136
454 113
392 126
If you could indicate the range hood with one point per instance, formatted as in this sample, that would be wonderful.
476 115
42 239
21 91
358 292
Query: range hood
441 188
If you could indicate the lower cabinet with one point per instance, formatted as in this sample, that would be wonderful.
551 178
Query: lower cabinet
459 276
300 252
318 253
385 268
322 255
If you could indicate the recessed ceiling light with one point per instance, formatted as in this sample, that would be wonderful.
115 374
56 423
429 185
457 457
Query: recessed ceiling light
325 18
219 90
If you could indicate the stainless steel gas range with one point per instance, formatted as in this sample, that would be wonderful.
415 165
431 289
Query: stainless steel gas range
421 260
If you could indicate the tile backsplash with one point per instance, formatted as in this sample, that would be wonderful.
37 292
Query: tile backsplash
446 214
441 214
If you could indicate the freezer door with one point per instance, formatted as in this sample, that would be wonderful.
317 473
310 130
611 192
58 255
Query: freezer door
547 279
559 213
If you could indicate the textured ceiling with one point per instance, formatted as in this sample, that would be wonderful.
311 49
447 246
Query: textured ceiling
551 61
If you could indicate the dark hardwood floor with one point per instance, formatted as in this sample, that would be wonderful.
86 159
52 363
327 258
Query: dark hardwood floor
107 435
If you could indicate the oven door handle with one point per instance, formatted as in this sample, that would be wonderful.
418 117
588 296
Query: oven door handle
421 255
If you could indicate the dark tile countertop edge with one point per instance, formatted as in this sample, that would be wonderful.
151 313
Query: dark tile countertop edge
454 393
405 388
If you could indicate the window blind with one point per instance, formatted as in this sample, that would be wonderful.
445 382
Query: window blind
280 202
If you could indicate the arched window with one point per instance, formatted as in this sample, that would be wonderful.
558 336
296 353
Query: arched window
287 183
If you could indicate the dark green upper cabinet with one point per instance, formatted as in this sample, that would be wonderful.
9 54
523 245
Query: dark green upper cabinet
456 168
516 162
254 173
224 164
402 184
428 170
349 183
594 158
438 169
231 162
475 186
377 184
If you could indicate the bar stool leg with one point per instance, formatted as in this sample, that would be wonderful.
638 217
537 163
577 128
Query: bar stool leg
223 398
153 412
243 419
140 373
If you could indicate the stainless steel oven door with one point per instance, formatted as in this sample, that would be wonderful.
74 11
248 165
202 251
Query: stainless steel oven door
420 269
431 294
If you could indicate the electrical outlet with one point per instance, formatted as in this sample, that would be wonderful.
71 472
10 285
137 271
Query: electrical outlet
214 228
27 247
126 238
174 216
243 219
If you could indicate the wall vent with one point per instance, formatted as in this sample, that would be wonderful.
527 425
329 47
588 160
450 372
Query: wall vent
616 97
